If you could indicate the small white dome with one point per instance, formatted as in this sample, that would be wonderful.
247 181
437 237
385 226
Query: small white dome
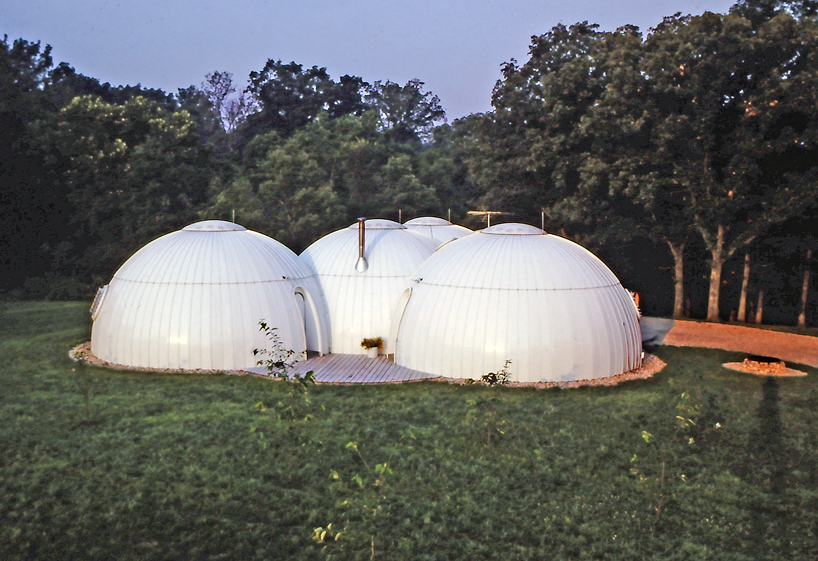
513 229
438 229
194 298
379 224
214 226
360 304
513 292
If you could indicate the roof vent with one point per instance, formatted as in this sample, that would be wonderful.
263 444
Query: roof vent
361 265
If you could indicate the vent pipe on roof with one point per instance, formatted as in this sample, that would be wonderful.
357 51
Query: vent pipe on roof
361 265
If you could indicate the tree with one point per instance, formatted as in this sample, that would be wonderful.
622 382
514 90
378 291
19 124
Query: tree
563 136
131 172
443 165
216 88
229 111
321 178
31 205
407 112
401 189
734 109
761 11
529 149
706 124
290 96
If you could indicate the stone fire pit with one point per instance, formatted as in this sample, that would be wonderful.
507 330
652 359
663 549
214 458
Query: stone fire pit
763 366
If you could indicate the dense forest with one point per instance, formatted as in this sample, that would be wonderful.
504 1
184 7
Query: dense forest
686 157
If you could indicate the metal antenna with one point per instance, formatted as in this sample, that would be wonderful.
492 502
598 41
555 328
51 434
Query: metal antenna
488 214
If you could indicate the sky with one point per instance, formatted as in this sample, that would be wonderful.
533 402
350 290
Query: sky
455 47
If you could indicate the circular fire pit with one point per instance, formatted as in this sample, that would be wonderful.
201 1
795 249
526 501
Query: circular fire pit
763 366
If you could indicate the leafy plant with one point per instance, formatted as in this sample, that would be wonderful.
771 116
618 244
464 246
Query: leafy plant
483 415
279 363
280 360
669 451
372 343
363 504
501 377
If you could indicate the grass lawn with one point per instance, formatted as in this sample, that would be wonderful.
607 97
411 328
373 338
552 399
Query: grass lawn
98 464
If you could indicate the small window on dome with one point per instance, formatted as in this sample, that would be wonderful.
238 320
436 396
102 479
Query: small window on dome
97 304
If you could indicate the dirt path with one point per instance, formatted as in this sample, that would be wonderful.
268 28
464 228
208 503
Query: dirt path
789 347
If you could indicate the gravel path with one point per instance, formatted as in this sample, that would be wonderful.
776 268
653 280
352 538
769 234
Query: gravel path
789 347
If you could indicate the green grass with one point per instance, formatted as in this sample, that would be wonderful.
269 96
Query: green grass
98 464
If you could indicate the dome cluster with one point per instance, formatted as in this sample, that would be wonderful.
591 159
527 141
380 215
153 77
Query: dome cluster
443 300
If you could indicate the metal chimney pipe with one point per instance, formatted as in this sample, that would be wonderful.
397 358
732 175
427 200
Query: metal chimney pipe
361 265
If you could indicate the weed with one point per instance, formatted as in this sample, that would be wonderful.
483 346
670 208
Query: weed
483 414
363 504
279 363
85 386
499 378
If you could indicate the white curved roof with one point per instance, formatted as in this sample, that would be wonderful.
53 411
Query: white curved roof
193 299
360 304
437 228
513 292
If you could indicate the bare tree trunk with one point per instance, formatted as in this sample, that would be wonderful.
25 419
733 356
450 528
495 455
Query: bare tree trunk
677 249
802 316
718 258
742 302
760 307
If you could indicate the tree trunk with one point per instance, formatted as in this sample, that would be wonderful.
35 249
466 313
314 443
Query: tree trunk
760 307
677 249
717 263
742 302
802 316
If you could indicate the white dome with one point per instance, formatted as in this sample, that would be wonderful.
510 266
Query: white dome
438 229
360 304
194 298
513 292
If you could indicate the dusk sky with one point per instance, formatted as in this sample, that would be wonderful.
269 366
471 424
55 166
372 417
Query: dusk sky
456 47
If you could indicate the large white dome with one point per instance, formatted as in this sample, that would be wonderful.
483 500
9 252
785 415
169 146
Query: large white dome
194 298
513 292
438 229
360 304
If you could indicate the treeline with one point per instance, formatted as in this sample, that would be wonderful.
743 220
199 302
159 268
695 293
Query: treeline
677 155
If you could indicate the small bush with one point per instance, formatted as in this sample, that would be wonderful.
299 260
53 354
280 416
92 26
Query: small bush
372 343
499 378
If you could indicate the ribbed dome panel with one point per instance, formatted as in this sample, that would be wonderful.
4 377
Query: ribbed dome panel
230 257
360 304
520 262
193 299
543 302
